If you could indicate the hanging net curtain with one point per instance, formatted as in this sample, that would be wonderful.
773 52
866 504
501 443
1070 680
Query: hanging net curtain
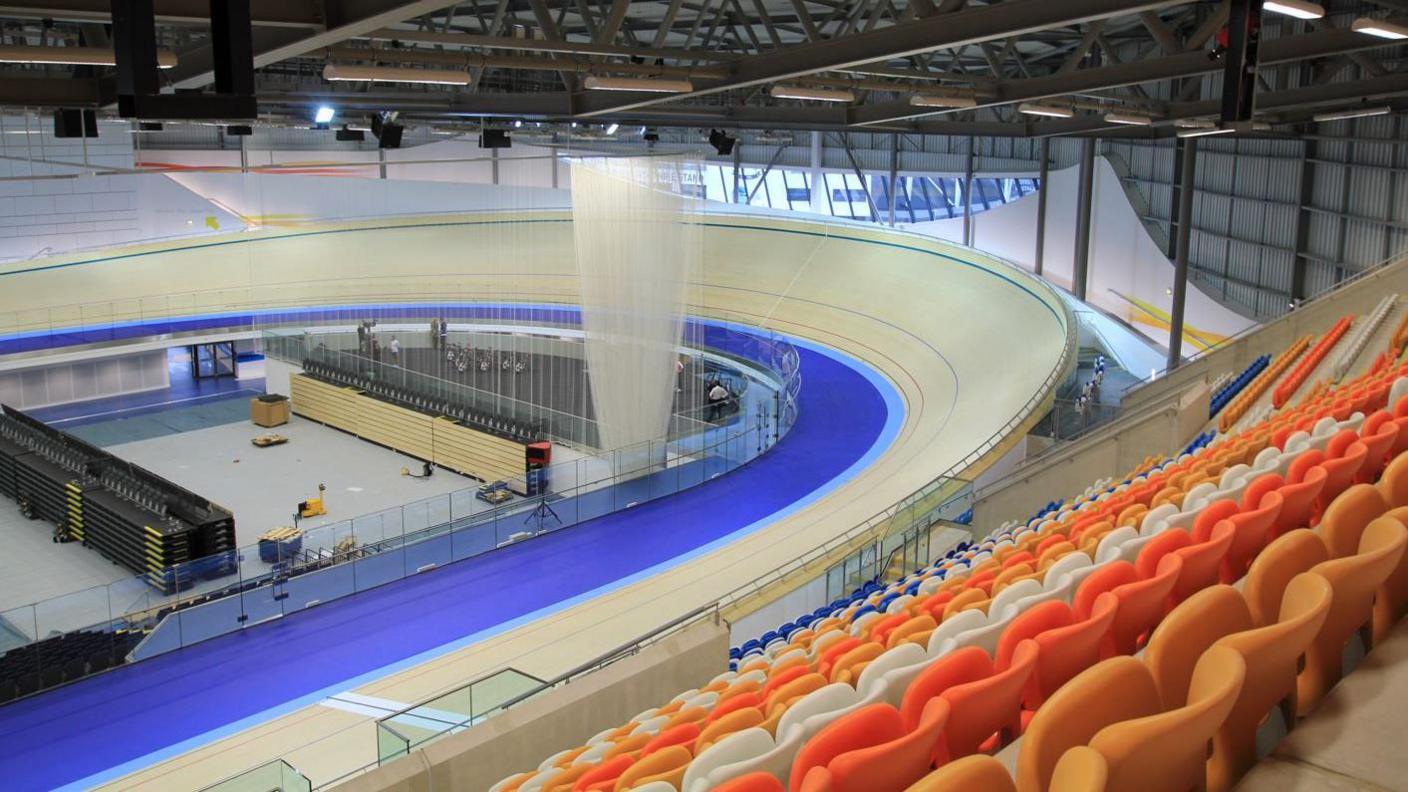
638 243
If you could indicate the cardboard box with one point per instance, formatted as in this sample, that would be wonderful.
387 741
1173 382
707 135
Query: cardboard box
264 413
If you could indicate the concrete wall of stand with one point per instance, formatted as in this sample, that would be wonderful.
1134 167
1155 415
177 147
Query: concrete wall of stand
1159 428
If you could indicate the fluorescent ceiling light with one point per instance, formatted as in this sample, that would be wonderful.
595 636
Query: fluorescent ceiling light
819 94
338 73
930 100
1379 27
1358 112
595 82
323 115
1049 111
1193 123
1192 133
74 56
1300 9
1129 119
611 130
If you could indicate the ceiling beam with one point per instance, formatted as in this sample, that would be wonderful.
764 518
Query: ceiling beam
275 13
943 31
348 19
49 92
539 45
1187 64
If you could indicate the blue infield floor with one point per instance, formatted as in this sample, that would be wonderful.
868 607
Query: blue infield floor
117 722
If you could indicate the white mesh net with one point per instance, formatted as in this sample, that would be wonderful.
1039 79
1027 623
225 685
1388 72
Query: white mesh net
638 248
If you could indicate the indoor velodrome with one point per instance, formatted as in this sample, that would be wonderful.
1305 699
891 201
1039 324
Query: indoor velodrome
808 396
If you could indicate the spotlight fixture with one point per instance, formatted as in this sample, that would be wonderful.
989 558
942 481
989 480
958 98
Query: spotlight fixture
75 123
1128 119
949 101
518 124
74 56
612 127
386 131
338 73
1300 9
1358 112
494 139
1194 133
818 94
768 137
324 115
1379 27
595 82
721 142
1047 111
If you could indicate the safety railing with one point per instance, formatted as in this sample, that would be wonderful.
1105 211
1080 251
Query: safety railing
327 562
921 509
401 731
394 742
275 776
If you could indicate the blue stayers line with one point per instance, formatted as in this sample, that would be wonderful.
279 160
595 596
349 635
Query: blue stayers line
895 411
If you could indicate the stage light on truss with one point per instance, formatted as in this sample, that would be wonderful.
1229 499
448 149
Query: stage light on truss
1381 28
817 94
1196 133
338 73
1300 9
951 102
595 82
1129 119
1358 112
1045 110
73 56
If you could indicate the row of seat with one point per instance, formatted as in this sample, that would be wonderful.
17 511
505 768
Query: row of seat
1398 341
1220 664
1243 402
62 658
1287 387
1360 338
778 689
1228 392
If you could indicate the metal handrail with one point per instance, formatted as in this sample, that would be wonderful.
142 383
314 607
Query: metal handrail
620 652
844 540
869 527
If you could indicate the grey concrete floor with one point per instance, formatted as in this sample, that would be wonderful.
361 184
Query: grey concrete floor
263 486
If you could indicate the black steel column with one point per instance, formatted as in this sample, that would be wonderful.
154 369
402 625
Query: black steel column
894 173
1081 266
968 196
1041 202
1186 187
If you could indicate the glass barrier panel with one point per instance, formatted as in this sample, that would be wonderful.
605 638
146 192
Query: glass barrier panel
276 776
390 744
